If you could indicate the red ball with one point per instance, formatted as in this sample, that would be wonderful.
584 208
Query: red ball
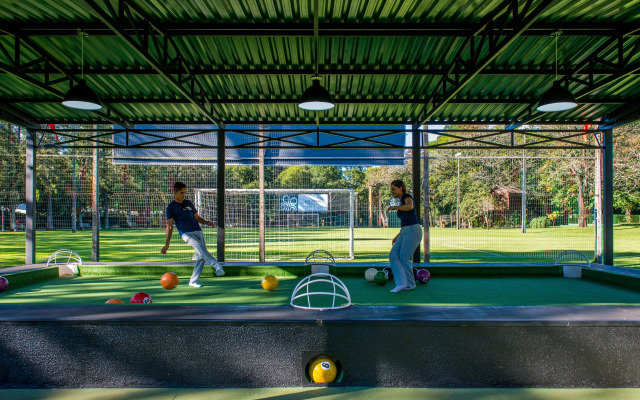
423 276
141 297
415 273
4 284
169 280
389 272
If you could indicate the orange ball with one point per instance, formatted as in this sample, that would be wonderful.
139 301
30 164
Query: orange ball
114 301
270 282
169 280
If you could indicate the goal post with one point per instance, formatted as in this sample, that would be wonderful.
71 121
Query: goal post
297 221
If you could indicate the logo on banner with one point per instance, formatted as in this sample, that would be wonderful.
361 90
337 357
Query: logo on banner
289 203
305 203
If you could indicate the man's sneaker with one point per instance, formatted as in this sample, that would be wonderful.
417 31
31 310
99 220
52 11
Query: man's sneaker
195 284
219 271
410 287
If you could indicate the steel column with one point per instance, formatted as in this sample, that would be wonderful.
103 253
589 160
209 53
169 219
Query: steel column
220 194
261 211
607 198
416 189
426 206
30 196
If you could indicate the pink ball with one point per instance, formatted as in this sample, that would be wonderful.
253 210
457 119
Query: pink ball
423 276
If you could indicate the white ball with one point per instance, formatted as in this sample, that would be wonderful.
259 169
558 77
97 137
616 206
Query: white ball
370 274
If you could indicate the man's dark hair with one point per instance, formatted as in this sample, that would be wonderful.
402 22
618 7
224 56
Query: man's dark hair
178 186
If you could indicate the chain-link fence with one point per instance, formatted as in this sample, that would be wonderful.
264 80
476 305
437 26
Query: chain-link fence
485 206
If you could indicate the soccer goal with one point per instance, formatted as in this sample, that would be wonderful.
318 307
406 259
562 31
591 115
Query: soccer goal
296 221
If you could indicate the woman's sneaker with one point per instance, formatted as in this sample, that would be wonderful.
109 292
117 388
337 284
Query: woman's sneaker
398 289
219 270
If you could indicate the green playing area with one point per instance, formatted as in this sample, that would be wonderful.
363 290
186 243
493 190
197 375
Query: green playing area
445 291
450 245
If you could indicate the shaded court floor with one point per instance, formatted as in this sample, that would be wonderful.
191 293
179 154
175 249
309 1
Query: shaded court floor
323 393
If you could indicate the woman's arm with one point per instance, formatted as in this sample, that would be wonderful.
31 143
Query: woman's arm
407 206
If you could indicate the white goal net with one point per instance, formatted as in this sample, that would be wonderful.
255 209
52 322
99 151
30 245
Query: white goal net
297 221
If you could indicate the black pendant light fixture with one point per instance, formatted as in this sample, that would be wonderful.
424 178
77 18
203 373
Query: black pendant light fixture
316 98
558 97
80 96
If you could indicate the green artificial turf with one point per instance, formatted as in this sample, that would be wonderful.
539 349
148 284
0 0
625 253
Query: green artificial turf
445 291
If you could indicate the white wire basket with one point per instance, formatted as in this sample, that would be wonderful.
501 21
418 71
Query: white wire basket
308 292
68 262
320 261
572 262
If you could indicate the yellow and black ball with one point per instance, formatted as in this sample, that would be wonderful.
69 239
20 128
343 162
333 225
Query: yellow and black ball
323 370
270 282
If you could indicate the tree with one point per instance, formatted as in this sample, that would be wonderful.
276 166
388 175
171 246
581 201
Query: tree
626 169
311 177
12 168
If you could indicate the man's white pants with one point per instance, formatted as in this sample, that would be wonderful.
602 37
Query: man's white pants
195 239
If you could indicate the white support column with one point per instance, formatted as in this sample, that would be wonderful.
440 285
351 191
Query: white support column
351 224
261 216
95 212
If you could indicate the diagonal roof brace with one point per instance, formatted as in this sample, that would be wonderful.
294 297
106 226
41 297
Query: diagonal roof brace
51 66
147 33
490 34
13 115
621 66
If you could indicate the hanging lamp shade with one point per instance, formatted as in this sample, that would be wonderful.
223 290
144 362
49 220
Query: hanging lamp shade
82 97
316 98
557 98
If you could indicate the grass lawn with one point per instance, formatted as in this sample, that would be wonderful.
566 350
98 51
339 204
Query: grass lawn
370 244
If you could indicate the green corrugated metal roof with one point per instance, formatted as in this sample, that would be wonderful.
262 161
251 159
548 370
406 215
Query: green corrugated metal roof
402 68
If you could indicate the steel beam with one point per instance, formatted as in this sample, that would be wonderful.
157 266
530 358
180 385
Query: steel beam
51 67
460 138
157 48
614 54
290 70
407 29
15 116
621 116
354 100
489 36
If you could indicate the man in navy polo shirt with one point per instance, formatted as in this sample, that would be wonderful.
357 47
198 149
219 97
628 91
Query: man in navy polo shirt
184 214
